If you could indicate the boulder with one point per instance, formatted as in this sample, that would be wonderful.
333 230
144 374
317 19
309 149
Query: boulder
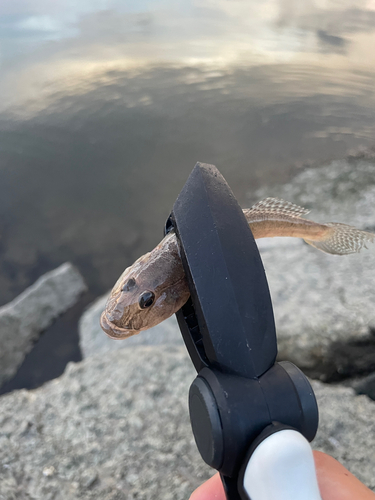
23 319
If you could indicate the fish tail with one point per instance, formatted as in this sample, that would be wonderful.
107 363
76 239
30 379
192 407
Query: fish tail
342 239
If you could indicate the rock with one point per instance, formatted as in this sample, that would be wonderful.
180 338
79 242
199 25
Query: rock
366 386
23 319
93 340
347 429
322 302
116 426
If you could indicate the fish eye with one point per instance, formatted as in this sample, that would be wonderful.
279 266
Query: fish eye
146 300
129 285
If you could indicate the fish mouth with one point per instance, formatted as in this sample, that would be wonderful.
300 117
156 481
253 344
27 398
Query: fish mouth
113 331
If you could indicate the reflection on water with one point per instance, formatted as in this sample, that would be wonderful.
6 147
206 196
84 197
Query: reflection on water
107 105
93 176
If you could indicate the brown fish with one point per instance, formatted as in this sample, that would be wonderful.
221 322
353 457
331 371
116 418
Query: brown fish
155 286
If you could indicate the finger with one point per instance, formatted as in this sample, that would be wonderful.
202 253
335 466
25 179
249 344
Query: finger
336 482
210 490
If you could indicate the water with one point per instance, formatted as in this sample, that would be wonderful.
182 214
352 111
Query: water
107 105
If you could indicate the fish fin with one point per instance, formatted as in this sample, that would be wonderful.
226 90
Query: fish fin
342 239
278 206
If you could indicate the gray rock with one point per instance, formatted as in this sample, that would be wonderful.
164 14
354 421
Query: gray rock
366 386
323 301
347 429
93 340
23 319
112 427
116 426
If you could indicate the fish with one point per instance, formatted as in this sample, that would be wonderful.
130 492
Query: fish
155 286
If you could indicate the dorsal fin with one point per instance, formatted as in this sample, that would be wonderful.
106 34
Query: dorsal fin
278 206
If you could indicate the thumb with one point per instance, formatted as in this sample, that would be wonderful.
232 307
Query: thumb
335 483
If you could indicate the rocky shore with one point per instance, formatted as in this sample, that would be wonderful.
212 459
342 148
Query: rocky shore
115 426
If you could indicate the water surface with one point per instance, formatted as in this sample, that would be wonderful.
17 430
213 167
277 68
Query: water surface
107 105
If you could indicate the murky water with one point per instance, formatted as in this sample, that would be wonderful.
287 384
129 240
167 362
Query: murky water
107 105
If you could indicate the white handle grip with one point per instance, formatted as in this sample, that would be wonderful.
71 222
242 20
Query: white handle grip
282 468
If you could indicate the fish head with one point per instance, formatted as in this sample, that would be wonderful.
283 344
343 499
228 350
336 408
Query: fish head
143 297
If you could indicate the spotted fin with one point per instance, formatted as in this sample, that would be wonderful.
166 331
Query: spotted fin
342 239
277 206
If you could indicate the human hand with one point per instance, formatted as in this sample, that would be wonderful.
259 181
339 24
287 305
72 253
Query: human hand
335 483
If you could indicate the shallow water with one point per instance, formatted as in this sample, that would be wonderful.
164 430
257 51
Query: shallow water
107 105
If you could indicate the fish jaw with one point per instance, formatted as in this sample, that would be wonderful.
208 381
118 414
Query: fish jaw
113 331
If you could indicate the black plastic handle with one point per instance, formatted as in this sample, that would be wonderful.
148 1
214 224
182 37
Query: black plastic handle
229 323
229 330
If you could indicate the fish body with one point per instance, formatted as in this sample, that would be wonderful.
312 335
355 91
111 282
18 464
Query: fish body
155 286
